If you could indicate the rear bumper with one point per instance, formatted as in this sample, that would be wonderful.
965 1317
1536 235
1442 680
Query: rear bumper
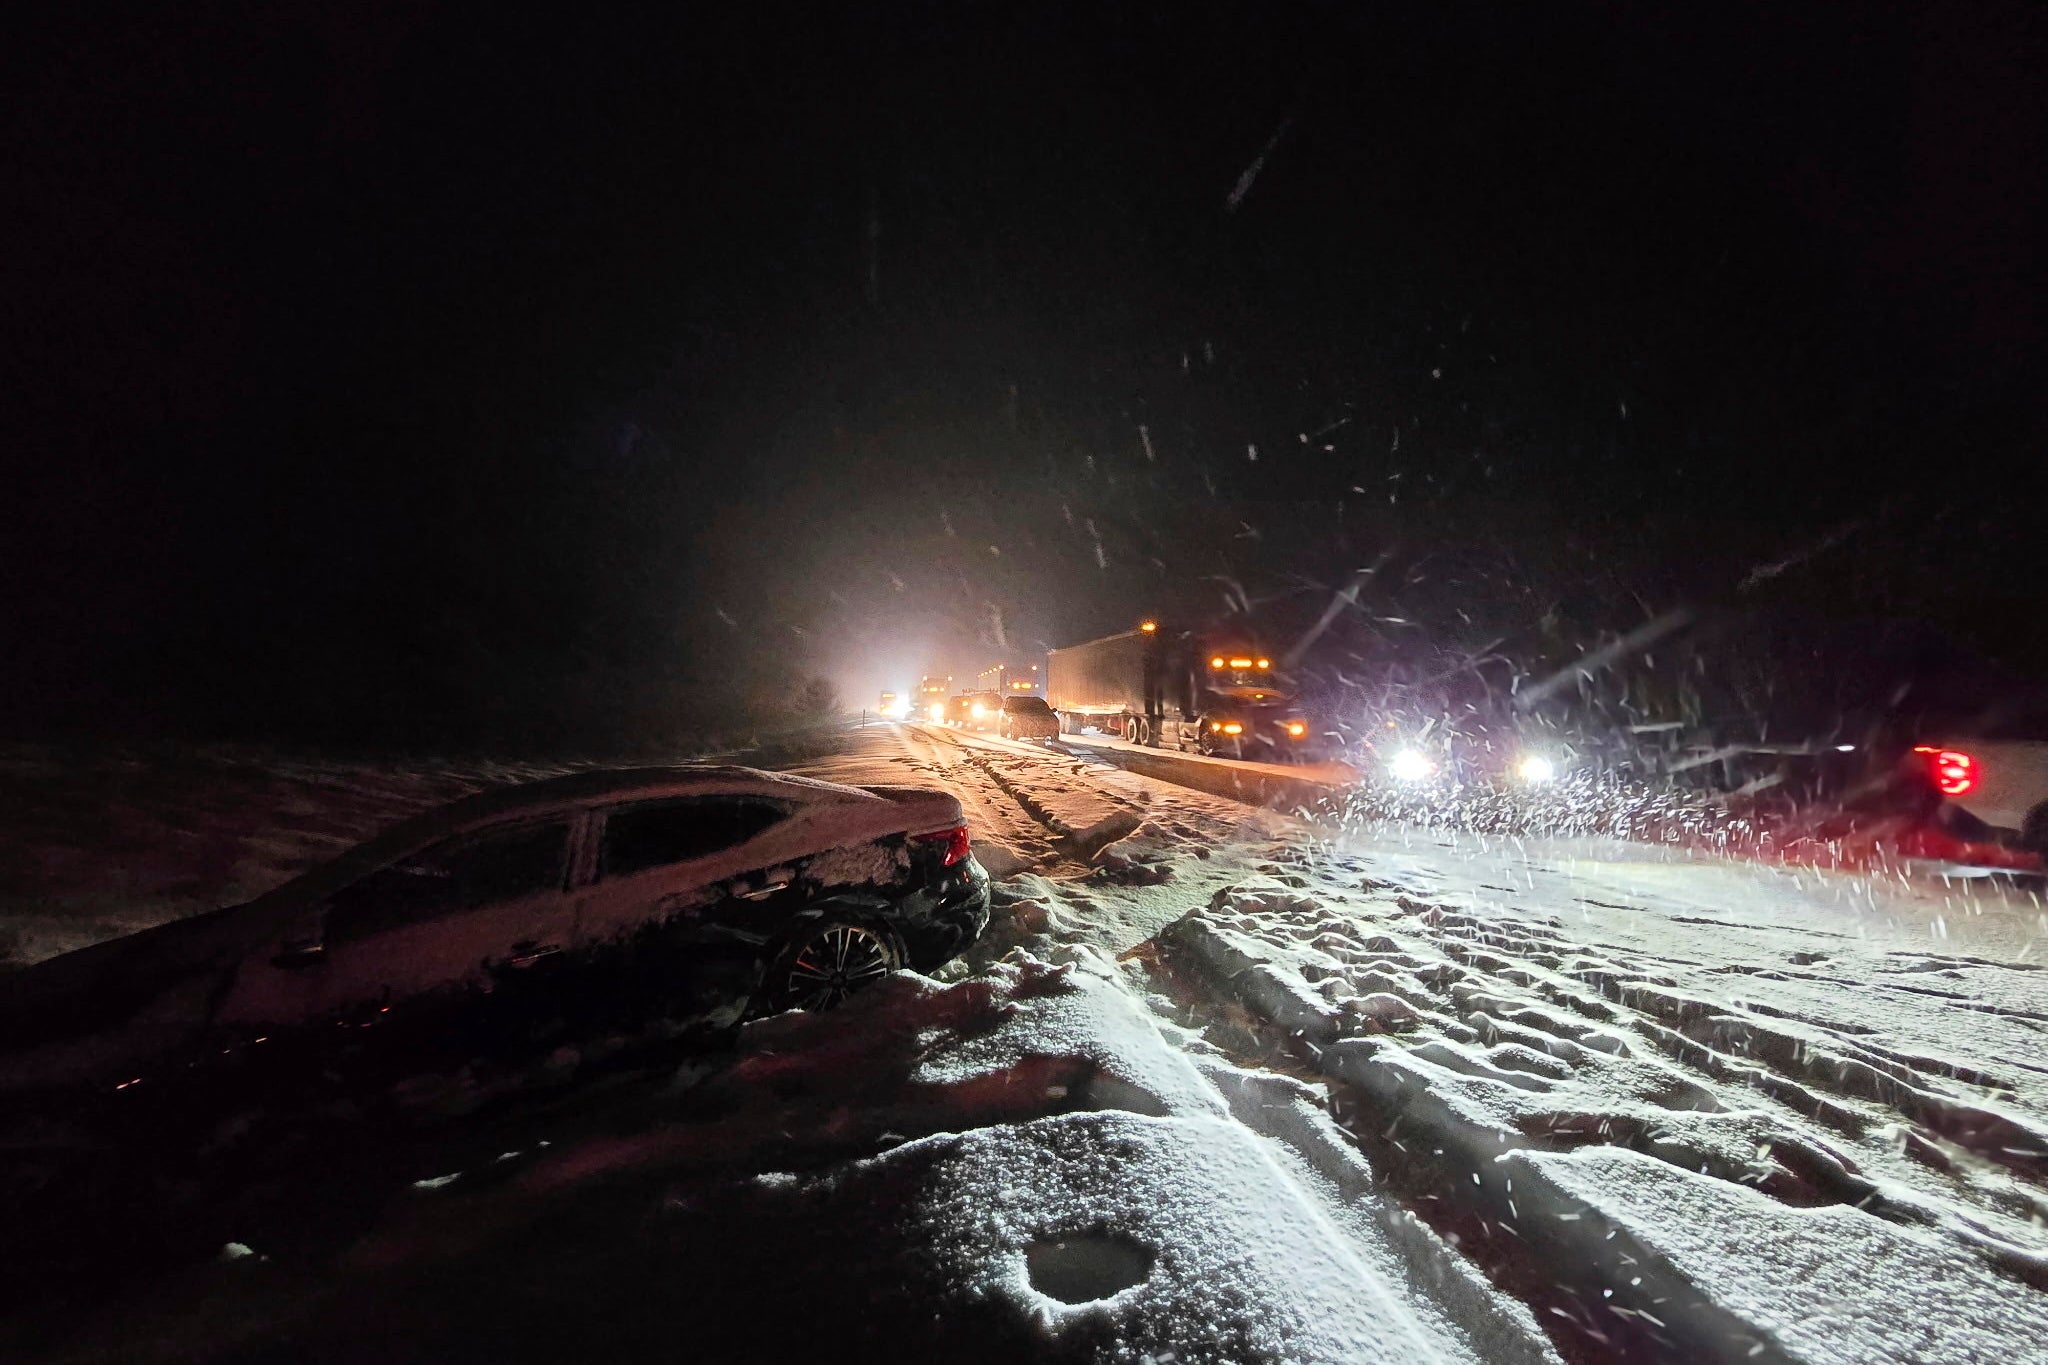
947 916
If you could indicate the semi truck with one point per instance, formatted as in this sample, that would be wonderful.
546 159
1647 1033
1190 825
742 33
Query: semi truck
933 692
1008 680
1210 692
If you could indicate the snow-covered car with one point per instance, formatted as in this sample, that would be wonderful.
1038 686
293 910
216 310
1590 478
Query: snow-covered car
1027 718
662 899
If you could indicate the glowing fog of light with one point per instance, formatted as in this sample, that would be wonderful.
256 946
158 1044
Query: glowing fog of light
1536 768
1411 765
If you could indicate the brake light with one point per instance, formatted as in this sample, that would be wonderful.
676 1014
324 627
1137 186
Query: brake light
955 841
1955 773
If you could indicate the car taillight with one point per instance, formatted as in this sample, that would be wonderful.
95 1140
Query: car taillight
954 840
1955 773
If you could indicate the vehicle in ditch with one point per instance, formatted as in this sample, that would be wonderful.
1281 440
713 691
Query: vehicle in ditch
646 903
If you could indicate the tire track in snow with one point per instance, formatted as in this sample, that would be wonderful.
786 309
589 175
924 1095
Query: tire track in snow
1461 1047
990 809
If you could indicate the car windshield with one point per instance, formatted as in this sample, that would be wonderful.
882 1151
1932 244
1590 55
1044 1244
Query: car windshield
1026 706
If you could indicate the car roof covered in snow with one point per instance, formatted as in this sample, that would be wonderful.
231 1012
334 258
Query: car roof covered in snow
570 792
598 786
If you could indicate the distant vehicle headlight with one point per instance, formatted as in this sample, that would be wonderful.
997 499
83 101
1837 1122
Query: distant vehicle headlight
1535 768
977 710
1411 765
937 710
1297 728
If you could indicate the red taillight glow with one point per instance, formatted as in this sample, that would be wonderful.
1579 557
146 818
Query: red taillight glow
1955 773
954 839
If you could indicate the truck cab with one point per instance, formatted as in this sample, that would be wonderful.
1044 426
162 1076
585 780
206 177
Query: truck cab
1202 692
933 693
1240 709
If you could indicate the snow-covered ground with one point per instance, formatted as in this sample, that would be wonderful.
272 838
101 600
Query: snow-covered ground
97 844
1221 1084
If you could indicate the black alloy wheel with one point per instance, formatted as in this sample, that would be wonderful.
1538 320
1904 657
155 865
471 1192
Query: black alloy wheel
831 961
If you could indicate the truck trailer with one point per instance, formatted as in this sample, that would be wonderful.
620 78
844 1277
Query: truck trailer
1210 692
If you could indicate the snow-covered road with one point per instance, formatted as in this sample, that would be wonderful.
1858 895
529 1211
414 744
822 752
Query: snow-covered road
1221 1084
1766 1083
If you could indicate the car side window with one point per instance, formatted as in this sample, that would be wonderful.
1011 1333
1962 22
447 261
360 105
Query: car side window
656 833
467 872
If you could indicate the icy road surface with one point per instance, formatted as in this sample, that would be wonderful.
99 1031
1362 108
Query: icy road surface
1221 1085
1684 1107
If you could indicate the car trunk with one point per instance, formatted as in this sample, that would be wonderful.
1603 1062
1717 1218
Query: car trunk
923 809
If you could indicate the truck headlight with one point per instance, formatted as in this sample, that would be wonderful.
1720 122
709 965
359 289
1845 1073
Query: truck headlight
1535 768
1411 765
1297 728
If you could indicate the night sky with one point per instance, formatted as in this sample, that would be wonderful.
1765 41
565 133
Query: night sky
412 375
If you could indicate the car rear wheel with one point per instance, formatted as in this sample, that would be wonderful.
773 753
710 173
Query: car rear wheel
828 960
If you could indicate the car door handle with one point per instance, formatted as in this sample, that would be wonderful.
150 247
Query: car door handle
528 953
762 893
